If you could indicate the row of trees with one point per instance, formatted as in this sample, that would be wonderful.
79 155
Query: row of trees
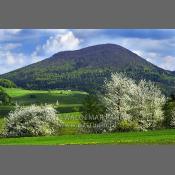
127 105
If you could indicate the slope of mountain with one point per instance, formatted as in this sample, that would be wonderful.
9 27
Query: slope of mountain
86 69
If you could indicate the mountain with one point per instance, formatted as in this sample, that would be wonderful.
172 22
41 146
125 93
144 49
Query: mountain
86 69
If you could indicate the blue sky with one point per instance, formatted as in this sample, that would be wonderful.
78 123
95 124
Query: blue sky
21 47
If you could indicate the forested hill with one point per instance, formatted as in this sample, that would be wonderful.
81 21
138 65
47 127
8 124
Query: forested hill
86 69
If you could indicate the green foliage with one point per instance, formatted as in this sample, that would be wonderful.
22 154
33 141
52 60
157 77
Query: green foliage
127 125
168 109
4 97
5 110
93 106
7 83
69 108
92 111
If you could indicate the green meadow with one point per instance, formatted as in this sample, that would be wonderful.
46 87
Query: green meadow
69 111
27 97
68 101
149 137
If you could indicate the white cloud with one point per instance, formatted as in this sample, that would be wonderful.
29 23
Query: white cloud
10 46
168 63
10 60
57 43
165 62
7 34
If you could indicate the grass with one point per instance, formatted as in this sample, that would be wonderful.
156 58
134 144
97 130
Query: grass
27 97
71 121
150 137
69 101
1 124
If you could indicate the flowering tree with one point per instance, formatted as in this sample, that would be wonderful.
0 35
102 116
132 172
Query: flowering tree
32 121
139 105
150 102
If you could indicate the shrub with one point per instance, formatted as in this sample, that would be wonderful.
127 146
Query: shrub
32 121
127 125
4 97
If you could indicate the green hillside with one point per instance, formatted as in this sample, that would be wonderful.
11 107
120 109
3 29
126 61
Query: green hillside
86 69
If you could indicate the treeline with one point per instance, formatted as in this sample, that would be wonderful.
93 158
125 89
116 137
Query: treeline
7 83
85 79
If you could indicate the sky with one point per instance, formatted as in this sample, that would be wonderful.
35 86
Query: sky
21 47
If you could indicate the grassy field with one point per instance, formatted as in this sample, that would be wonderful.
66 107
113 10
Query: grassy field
69 101
150 137
27 97
71 122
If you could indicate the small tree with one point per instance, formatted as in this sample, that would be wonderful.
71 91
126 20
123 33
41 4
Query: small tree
4 97
92 112
32 121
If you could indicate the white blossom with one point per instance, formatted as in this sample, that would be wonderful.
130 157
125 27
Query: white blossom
127 100
32 121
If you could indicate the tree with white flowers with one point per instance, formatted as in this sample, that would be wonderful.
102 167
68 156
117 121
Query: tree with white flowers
137 104
150 102
32 121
